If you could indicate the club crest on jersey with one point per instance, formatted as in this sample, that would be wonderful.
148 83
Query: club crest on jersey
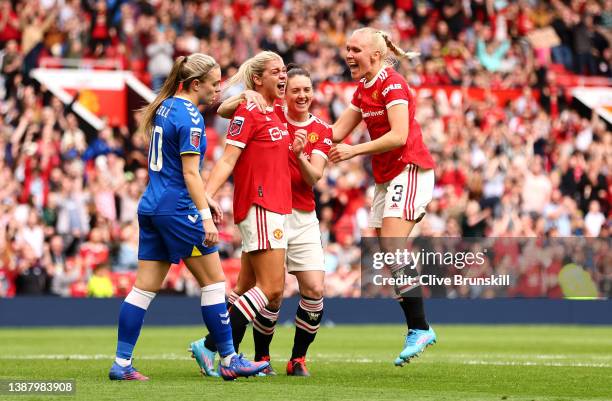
194 137
313 137
375 95
278 233
236 126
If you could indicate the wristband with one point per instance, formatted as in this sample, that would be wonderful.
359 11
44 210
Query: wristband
205 213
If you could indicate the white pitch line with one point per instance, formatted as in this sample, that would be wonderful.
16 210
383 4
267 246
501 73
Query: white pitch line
530 356
539 363
91 357
318 358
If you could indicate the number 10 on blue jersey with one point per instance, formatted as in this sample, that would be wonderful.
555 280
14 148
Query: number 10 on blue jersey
156 161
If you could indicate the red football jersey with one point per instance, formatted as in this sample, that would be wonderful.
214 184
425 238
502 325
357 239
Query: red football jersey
261 174
372 99
318 141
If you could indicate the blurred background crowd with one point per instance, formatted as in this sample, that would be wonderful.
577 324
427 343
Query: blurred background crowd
530 167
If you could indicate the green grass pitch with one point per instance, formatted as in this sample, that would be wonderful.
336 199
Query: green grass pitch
347 363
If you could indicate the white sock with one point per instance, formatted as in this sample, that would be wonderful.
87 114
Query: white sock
225 360
123 362
213 294
140 298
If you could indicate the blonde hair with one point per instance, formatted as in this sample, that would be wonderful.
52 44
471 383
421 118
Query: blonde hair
381 41
255 66
184 71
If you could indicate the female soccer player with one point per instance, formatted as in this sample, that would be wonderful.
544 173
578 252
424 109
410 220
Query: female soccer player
304 250
401 164
257 153
174 216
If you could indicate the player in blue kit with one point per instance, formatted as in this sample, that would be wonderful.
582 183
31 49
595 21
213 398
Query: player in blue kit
175 218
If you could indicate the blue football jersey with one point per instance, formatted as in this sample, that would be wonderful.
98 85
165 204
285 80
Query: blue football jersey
178 129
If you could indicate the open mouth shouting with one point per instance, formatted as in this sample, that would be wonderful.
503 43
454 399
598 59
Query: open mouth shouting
353 67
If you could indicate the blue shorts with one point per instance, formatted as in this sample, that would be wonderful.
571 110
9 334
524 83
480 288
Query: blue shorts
171 238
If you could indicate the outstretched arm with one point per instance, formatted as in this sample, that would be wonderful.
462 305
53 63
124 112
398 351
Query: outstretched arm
223 169
345 124
393 139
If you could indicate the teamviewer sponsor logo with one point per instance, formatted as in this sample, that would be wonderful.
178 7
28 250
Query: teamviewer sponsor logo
373 113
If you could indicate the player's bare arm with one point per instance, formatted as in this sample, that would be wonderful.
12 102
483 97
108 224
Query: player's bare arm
391 140
195 186
312 170
346 123
223 169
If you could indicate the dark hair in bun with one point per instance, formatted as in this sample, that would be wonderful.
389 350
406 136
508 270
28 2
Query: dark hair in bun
293 70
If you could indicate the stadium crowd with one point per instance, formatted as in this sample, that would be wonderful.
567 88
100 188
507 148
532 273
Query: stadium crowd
530 167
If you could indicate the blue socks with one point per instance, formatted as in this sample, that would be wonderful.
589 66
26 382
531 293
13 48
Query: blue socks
216 317
214 312
131 318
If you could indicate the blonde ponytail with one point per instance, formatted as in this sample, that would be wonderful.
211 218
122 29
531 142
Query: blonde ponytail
395 48
381 41
184 71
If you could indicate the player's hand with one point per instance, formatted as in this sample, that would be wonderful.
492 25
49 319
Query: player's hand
341 152
299 142
211 233
255 97
215 210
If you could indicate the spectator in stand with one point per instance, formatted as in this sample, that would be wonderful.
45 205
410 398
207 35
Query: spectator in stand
11 66
536 188
100 284
32 278
10 27
594 219
127 257
101 146
160 59
73 143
